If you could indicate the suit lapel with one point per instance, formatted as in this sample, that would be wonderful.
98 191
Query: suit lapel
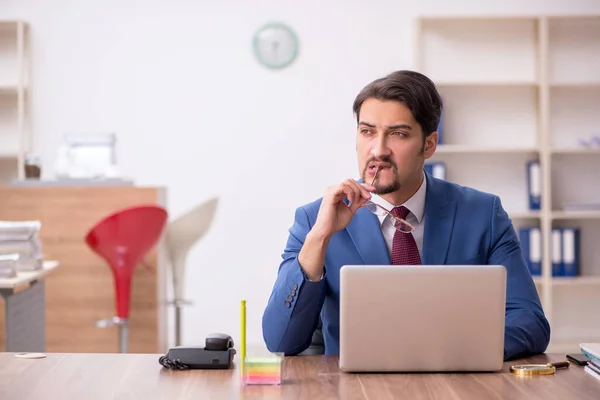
439 221
365 232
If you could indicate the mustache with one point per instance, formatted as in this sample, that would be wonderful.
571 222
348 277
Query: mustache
386 160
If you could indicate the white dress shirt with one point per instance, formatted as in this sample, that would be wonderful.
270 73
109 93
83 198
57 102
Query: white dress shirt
416 217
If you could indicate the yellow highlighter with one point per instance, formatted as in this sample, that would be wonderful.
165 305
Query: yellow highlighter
243 335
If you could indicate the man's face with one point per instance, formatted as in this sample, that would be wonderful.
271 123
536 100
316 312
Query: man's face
389 137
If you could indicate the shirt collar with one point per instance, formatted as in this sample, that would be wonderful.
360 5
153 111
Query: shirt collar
416 204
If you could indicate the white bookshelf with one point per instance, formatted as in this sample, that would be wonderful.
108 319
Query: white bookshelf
15 127
517 89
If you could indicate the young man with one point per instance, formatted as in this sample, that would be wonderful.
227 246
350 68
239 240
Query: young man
397 117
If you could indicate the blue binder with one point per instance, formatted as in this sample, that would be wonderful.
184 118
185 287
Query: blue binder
570 251
556 249
440 130
534 184
436 169
531 246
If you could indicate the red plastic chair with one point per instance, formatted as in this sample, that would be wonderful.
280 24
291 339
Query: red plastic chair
123 238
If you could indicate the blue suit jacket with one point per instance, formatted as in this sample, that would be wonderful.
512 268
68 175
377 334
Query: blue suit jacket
462 226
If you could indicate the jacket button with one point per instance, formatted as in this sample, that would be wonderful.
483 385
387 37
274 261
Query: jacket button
287 304
294 286
290 299
293 293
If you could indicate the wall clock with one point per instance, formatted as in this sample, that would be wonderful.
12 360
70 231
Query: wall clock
275 45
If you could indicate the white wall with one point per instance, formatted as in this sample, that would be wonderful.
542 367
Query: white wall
196 113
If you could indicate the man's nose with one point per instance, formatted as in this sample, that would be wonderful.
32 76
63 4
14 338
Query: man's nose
379 147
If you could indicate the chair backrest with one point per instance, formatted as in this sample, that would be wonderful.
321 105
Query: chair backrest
181 234
123 238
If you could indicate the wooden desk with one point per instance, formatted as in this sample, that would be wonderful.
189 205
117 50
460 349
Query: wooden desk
23 327
26 277
139 376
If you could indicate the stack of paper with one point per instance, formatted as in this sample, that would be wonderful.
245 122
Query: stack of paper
592 351
20 246
8 265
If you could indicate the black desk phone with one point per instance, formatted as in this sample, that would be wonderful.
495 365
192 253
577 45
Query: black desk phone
217 353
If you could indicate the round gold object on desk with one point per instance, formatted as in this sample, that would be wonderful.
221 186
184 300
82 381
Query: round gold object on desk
538 369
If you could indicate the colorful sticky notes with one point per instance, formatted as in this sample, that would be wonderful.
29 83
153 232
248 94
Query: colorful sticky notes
265 370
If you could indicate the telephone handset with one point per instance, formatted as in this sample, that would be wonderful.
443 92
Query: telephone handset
217 353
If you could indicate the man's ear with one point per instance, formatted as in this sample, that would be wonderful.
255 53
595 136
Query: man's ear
430 144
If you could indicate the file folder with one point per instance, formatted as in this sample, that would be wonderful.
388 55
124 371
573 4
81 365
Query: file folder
436 169
531 246
570 251
557 264
534 184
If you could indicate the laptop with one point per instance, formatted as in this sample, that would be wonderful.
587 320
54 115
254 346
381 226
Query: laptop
445 318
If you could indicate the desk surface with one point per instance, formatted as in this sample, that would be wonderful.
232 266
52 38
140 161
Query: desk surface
139 376
24 277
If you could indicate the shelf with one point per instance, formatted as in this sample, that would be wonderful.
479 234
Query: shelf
478 18
584 214
515 89
497 49
14 108
8 24
8 156
485 84
11 91
573 47
508 170
569 281
577 150
524 214
579 85
575 281
466 149
567 346
574 180
468 111
573 116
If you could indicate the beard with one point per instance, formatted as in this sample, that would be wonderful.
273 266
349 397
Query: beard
389 187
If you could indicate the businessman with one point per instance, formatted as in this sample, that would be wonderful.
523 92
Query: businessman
430 221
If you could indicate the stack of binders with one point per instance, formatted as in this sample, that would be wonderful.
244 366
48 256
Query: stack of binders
565 251
436 169
564 240
592 351
531 245
20 247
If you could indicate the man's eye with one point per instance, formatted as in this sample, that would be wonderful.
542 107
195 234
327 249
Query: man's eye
365 131
400 133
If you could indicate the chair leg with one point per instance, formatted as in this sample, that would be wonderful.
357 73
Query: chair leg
123 325
177 325
124 337
178 304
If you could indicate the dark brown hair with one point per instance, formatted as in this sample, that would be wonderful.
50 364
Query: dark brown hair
413 89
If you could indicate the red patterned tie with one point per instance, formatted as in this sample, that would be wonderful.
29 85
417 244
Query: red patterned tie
404 247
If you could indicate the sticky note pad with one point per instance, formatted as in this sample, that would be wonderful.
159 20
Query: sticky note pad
263 370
